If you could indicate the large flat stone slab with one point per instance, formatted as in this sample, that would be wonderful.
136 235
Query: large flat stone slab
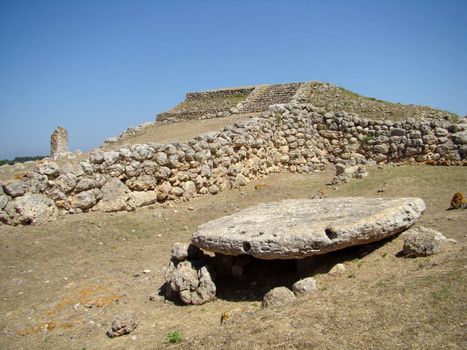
294 229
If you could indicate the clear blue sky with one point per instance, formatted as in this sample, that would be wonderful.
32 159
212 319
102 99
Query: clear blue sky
98 67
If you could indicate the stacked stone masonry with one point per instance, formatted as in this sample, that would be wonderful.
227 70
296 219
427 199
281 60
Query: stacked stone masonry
269 95
224 102
293 137
205 104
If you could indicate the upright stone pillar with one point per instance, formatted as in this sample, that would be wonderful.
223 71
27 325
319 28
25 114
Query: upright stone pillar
59 143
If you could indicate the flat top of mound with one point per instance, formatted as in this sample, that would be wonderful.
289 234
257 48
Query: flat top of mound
337 99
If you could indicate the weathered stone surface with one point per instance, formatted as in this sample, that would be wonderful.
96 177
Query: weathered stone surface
182 251
179 251
277 297
15 188
294 229
96 157
189 189
51 169
142 199
59 142
31 209
305 286
122 325
295 137
163 190
3 200
115 197
85 184
111 157
460 137
66 182
141 152
337 269
422 241
191 281
84 200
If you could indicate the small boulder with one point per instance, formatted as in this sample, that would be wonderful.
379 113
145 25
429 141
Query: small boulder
337 269
122 325
190 281
115 197
458 201
84 200
182 251
31 209
305 286
142 198
15 188
278 296
422 241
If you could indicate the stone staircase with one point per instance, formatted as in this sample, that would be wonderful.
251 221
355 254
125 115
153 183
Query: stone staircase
266 95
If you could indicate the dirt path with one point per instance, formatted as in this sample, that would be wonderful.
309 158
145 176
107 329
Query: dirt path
63 283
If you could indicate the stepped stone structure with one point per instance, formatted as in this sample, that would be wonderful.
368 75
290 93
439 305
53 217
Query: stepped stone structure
224 102
295 137
59 143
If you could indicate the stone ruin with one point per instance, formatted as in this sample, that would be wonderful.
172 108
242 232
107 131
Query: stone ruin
292 137
286 230
59 143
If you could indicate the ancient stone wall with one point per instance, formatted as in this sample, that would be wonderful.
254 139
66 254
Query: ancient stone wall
293 137
221 93
205 105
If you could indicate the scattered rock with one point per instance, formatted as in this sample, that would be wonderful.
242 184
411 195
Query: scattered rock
182 251
422 241
122 325
458 201
305 286
293 229
191 281
31 209
213 189
277 297
337 269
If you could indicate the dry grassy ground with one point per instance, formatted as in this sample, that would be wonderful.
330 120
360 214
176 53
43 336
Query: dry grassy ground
63 283
333 98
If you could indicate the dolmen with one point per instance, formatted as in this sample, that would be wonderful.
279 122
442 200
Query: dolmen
288 229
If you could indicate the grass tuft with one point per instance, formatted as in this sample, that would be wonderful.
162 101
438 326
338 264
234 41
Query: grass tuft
174 337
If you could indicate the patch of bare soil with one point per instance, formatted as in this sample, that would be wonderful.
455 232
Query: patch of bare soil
62 284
